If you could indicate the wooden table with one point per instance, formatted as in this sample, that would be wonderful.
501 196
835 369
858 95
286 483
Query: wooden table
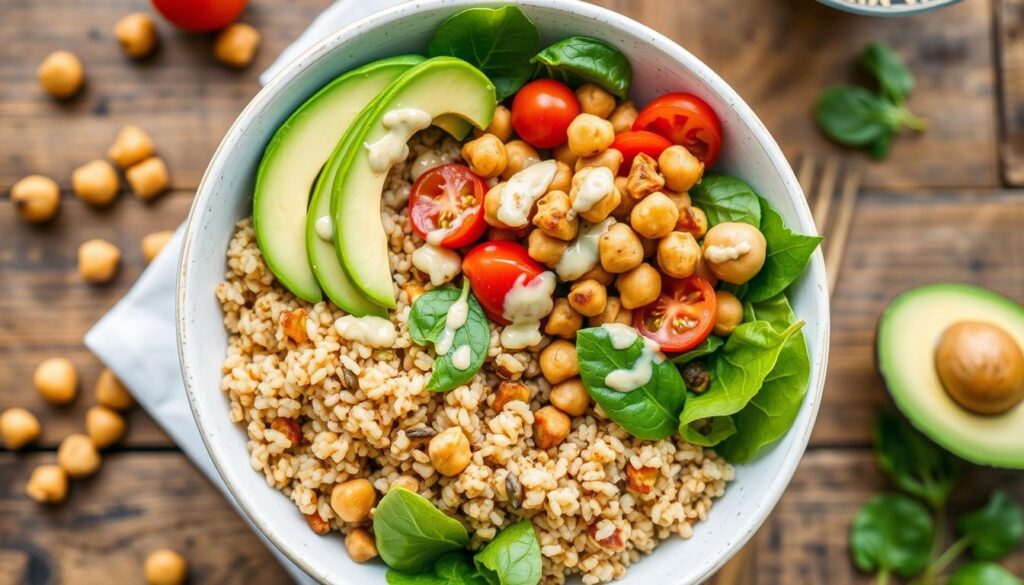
941 207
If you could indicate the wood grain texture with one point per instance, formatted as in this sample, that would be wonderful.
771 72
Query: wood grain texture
1010 34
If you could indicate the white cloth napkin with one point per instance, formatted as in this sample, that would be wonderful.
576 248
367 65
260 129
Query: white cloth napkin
136 339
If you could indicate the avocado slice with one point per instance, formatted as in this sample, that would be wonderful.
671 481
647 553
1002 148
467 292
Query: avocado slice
295 156
908 333
436 87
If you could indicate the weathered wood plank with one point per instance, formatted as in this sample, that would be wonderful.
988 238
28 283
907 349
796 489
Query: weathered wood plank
1010 37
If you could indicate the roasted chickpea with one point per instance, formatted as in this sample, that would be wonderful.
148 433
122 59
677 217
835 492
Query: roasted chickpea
552 218
132 145
406 482
104 426
626 203
492 202
610 159
96 183
136 33
78 456
500 126
98 260
638 287
37 198
558 361
510 392
623 116
61 74
550 427
563 321
18 427
360 545
589 135
693 221
734 251
682 200
678 254
595 100
680 168
520 155
486 156
48 484
449 451
153 243
564 155
588 297
110 392
599 274
545 249
563 178
317 523
593 194
148 178
612 313
655 216
236 45
728 313
644 178
704 271
165 567
619 249
56 380
570 397
353 500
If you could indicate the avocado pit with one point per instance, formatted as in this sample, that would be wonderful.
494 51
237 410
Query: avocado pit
981 367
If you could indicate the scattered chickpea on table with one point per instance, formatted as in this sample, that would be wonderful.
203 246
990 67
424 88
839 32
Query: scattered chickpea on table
137 35
56 380
98 260
78 456
165 567
96 183
18 428
236 45
61 74
48 484
36 197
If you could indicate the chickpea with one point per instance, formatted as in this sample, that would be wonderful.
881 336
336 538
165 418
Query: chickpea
692 220
500 126
595 100
18 427
558 361
492 202
611 159
563 321
680 168
165 567
78 456
588 297
552 218
236 45
620 249
655 216
520 155
148 178
110 392
728 313
317 523
449 452
570 397
48 484
599 274
510 392
565 155
37 198
734 251
98 260
360 545
678 254
704 271
56 380
61 74
644 178
545 249
612 313
638 287
601 181
682 200
406 482
626 203
96 183
353 500
550 427
486 156
104 426
132 145
589 135
153 243
623 117
137 34
563 178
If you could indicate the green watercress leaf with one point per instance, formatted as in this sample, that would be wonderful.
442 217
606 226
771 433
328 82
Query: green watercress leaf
995 529
499 42
427 322
724 198
853 116
411 533
579 60
512 558
892 533
914 463
787 255
982 573
894 78
650 412
453 568
707 347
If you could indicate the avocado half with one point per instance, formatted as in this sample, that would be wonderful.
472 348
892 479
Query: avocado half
908 333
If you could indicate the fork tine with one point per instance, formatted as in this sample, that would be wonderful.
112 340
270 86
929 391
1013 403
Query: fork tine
840 230
823 197
805 174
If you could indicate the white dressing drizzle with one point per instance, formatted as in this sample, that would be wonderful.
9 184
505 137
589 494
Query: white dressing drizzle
719 254
629 379
456 318
526 303
441 264
391 148
620 335
462 357
522 190
370 331
597 184
324 228
582 254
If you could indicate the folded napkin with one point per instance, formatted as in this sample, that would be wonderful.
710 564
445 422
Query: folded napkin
137 339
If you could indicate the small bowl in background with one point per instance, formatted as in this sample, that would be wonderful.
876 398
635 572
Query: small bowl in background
888 7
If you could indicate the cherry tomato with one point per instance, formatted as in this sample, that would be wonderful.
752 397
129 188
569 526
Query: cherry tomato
687 120
450 198
493 269
200 15
542 112
633 143
683 315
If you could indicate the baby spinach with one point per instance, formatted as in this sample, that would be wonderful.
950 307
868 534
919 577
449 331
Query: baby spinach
982 573
894 78
892 534
512 558
995 529
786 258
710 432
411 533
724 198
707 347
497 41
916 464
650 412
453 568
579 60
427 321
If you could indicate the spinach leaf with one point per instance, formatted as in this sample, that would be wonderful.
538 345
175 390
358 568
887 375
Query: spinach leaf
786 258
709 432
707 347
916 464
579 60
451 569
853 116
771 412
499 42
411 533
738 371
982 573
995 529
724 198
512 558
427 322
894 79
892 533
649 412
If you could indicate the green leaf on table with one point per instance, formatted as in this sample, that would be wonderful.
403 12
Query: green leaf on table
914 463
411 533
512 558
707 347
453 568
579 60
854 116
892 533
723 198
982 573
787 255
894 78
427 323
995 529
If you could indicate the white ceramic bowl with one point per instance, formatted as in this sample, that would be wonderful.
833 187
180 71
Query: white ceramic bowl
659 66
895 8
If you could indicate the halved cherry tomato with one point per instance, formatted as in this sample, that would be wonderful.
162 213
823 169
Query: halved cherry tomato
684 119
542 111
450 198
683 315
200 15
493 269
633 143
